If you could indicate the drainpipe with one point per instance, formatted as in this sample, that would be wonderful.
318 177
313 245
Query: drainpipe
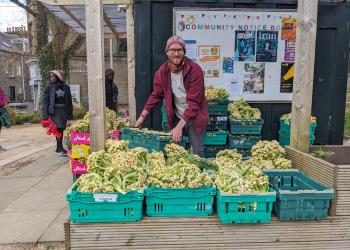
22 69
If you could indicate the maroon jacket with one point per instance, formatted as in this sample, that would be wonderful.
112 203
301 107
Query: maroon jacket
197 109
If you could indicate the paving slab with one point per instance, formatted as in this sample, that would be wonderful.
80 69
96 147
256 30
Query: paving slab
18 184
41 167
24 226
49 199
63 170
55 231
22 155
58 181
16 145
7 198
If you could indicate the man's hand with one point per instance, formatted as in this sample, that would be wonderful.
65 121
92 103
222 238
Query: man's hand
141 119
177 133
139 122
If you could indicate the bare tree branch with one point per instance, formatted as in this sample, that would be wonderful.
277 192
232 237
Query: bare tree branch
24 7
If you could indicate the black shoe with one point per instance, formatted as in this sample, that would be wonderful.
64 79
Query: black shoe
62 152
2 149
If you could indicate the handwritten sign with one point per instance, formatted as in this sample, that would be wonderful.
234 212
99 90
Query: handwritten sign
80 138
105 197
78 168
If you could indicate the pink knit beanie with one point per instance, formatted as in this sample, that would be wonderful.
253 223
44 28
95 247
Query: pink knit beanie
175 39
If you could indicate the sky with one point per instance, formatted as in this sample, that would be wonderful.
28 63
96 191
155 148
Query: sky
11 15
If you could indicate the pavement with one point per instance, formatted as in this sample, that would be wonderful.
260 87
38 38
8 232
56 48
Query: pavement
32 201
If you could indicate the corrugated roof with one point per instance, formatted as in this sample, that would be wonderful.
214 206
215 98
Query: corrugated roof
117 18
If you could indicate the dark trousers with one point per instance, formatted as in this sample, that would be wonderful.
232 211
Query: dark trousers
196 141
59 141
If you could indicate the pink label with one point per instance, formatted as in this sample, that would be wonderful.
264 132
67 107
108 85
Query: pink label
80 138
115 135
78 168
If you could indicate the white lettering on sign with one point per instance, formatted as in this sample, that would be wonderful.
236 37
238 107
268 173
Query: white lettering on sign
81 138
79 168
105 197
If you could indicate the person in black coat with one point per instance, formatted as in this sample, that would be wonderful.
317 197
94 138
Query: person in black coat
58 105
111 91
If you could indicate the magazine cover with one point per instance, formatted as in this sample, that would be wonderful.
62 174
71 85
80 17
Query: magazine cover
289 54
287 75
227 65
289 28
254 78
244 45
267 44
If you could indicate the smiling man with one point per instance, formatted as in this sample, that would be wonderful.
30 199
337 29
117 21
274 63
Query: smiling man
180 82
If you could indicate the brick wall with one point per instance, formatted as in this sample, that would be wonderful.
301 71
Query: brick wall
6 80
78 75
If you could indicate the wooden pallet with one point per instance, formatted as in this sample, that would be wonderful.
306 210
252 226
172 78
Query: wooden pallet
335 176
209 233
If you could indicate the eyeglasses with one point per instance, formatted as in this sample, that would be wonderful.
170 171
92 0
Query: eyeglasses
180 50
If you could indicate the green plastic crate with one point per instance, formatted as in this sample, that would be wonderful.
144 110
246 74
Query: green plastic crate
298 196
216 123
215 138
104 207
165 127
284 138
173 202
218 107
210 151
246 127
243 141
164 119
245 207
285 126
151 142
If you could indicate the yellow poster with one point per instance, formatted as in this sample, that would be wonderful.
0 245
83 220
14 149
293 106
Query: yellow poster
209 60
80 151
289 28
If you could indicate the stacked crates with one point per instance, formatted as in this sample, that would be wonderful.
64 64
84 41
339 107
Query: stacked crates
284 132
216 137
244 134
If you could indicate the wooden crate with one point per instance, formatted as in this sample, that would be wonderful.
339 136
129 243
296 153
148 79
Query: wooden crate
335 173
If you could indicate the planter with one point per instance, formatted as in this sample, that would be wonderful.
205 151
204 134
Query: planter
333 172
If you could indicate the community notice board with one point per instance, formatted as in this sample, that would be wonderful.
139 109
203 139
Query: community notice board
250 53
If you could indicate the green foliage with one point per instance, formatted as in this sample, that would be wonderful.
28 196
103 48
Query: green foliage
46 64
69 52
18 118
347 122
79 113
322 154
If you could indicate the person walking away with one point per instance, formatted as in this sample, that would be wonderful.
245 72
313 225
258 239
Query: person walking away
180 82
4 119
111 91
57 105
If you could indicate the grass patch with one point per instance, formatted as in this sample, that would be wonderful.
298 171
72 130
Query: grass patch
347 122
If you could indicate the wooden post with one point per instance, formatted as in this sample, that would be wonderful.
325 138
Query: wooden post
131 62
304 74
95 68
111 53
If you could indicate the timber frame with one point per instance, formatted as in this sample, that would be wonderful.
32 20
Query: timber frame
95 33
